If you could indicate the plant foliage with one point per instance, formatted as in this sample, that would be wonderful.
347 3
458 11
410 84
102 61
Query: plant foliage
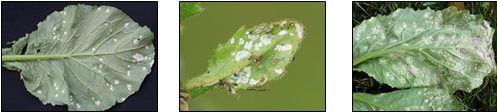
86 57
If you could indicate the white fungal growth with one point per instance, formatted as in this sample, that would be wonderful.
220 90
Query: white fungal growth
107 10
279 71
265 40
129 72
248 45
135 41
248 70
63 91
115 40
99 71
97 102
257 46
126 24
247 32
253 82
138 57
383 61
39 91
56 95
232 40
282 23
144 68
299 30
282 32
141 36
105 24
129 86
241 41
116 81
54 28
233 53
101 59
65 32
253 37
146 47
242 80
283 48
129 66
241 54
413 69
98 8
77 104
111 88
63 21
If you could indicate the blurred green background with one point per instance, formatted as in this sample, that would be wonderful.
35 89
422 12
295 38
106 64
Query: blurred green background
302 88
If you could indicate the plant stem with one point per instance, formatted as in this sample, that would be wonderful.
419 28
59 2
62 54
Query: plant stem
362 99
30 57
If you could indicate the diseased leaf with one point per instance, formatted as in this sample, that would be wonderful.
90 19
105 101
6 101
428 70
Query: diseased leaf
415 99
425 48
89 57
251 58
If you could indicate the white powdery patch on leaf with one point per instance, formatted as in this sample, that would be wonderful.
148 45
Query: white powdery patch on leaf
242 80
282 32
299 30
248 45
253 82
241 54
282 23
257 46
266 40
116 81
241 41
232 40
283 48
138 57
253 37
279 71
248 70
129 86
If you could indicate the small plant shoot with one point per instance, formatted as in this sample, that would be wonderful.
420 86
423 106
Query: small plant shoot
250 59
433 53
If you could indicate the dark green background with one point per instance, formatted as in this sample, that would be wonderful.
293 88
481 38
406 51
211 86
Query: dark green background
302 88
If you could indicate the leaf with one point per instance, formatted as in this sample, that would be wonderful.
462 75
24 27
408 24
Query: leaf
425 48
251 58
188 9
415 99
89 57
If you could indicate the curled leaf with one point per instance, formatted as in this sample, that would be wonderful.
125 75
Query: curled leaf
251 58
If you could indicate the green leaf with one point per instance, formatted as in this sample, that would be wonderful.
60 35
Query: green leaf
425 48
86 57
252 57
188 9
415 99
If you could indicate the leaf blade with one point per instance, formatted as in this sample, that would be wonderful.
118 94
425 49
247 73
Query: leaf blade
71 32
425 48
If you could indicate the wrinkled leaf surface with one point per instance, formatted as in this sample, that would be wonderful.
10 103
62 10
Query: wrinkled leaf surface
425 48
